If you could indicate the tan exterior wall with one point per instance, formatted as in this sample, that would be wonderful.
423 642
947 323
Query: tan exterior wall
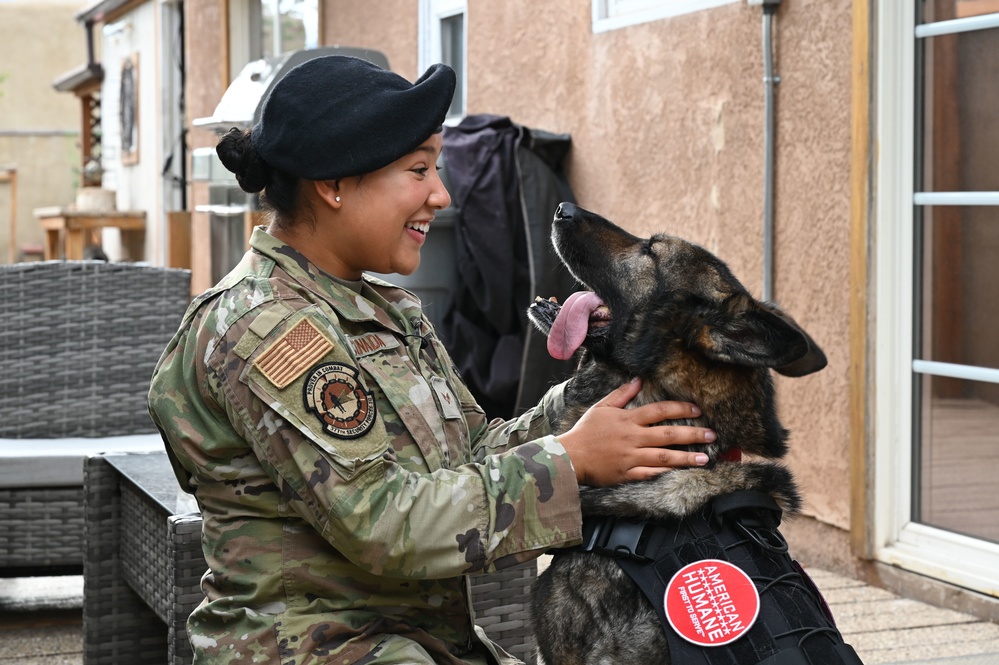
39 127
390 26
813 242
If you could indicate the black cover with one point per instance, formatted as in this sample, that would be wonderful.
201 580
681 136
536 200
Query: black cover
506 181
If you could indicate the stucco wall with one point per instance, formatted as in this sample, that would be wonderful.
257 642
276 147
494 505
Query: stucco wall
813 241
39 127
390 26
667 126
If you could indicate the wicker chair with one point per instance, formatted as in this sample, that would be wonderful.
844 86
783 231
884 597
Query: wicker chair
78 343
502 607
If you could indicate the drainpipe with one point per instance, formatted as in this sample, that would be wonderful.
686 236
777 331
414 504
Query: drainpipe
182 64
89 27
770 82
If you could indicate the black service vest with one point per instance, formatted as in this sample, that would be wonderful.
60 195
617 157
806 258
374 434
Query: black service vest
794 625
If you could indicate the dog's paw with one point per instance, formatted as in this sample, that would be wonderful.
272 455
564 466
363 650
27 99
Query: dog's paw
542 313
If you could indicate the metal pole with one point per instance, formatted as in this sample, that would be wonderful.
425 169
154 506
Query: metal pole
770 82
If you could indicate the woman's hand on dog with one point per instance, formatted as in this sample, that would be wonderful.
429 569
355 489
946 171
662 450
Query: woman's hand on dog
611 444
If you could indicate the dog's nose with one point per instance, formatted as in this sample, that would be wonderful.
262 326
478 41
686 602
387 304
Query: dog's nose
565 210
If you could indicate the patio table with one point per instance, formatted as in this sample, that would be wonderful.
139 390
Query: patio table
68 231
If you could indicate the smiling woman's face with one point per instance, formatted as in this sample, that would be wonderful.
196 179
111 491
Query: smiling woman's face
384 216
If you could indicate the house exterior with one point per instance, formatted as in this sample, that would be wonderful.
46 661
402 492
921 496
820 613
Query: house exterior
140 117
39 129
877 231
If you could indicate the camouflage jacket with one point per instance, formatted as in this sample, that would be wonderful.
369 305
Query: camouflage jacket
347 479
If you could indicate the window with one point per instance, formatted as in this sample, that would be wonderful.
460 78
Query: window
269 28
937 257
614 14
442 39
289 25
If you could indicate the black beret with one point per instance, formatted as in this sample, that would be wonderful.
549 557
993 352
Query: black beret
336 116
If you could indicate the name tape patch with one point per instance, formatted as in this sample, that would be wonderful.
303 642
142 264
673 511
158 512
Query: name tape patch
364 345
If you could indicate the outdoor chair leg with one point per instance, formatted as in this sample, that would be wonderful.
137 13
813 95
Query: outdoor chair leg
118 627
187 567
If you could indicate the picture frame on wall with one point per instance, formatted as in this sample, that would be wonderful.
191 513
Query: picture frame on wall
128 102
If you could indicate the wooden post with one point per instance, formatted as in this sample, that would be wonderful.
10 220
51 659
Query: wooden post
861 460
9 174
179 239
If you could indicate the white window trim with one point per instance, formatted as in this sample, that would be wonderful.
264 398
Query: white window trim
245 36
431 14
614 14
956 25
898 541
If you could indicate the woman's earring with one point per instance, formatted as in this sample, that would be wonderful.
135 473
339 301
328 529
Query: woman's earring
337 199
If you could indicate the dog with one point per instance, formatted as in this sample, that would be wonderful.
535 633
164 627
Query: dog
670 312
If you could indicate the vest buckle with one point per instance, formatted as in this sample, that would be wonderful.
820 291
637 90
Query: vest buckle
611 536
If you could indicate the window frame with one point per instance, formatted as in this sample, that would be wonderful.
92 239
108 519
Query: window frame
432 13
246 31
615 14
898 540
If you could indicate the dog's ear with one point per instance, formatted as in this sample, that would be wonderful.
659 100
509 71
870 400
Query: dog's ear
759 336
813 360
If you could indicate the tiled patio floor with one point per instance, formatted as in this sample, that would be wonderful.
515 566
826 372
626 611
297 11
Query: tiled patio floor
40 624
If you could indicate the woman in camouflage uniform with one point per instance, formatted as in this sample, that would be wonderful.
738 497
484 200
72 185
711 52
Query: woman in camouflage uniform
347 479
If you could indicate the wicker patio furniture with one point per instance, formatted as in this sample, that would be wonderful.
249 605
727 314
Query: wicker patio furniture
78 343
143 581
143 562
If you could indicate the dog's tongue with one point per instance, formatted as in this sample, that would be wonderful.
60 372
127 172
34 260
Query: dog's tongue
570 326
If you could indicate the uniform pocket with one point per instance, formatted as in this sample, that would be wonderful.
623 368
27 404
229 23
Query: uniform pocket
305 375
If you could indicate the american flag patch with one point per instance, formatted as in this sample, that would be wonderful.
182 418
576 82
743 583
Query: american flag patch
294 352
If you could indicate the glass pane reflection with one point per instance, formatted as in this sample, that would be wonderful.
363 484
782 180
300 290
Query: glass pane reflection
960 285
958 454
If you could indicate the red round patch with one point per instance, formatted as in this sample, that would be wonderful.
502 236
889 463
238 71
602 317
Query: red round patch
711 603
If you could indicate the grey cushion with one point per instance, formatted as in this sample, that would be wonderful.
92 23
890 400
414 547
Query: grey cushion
59 462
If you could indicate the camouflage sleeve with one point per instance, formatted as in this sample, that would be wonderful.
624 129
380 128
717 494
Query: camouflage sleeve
292 389
499 444
498 435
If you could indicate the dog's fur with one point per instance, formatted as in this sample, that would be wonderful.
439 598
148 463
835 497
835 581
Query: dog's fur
680 321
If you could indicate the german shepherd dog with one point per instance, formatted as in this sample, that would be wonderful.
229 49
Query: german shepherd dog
670 312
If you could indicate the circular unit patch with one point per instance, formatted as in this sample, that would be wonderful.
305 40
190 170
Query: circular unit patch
711 603
333 392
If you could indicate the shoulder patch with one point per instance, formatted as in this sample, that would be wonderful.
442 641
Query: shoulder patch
333 392
293 353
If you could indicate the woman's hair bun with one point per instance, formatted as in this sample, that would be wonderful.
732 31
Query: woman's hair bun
237 154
